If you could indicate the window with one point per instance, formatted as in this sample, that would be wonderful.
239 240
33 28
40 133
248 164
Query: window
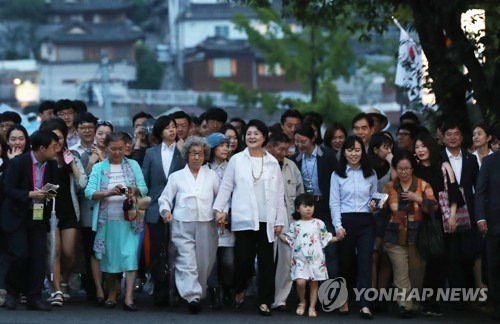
222 31
268 70
67 53
222 67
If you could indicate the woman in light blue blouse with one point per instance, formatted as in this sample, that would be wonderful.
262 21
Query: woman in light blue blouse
352 186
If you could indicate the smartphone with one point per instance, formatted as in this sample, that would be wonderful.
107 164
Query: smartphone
52 192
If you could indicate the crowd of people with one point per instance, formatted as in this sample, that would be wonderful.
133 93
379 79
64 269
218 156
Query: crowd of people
202 205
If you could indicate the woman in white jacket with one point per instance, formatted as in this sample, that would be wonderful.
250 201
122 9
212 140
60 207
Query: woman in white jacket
257 212
193 227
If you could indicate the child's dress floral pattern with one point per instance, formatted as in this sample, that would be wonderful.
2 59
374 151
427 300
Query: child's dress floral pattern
307 239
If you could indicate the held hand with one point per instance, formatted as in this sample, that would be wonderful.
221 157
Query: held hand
278 229
219 217
166 216
411 196
482 227
114 192
37 194
341 233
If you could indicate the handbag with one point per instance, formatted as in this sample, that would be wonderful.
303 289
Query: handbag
430 238
462 215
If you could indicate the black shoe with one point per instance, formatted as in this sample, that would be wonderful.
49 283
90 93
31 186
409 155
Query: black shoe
280 308
264 310
405 313
130 308
10 302
215 298
366 316
100 301
109 304
194 307
38 305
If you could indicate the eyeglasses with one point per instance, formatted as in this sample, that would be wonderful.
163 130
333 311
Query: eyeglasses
86 128
104 123
194 154
66 114
405 170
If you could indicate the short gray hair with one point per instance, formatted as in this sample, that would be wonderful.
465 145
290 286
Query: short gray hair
195 141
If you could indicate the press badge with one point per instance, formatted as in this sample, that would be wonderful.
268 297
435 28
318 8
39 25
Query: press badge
37 212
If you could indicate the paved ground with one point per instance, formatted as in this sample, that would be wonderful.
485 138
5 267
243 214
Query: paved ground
80 311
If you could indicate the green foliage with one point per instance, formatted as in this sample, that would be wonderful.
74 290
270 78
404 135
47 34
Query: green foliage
312 55
149 70
205 102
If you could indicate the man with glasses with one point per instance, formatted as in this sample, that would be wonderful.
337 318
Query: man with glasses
7 120
65 110
85 124
405 136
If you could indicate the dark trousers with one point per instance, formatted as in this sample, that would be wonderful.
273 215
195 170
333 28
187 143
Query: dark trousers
158 237
223 271
247 245
462 252
360 239
492 253
322 211
435 274
28 260
4 258
88 237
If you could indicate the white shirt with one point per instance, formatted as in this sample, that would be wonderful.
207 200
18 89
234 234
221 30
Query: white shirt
167 154
456 164
115 203
79 148
238 181
479 159
193 197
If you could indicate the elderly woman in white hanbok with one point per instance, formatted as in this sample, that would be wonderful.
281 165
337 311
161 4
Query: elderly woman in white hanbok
193 189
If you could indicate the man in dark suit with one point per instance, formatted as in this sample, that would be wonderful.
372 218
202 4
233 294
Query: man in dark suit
160 161
488 221
25 215
464 247
317 165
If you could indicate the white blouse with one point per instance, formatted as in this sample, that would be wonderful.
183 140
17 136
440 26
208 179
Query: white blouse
244 207
193 197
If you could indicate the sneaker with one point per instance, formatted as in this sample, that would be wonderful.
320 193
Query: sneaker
432 310
23 299
65 291
3 296
56 299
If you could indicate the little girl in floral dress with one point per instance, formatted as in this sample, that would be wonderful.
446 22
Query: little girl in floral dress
308 237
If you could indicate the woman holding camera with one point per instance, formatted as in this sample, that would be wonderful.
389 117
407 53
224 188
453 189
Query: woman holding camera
111 183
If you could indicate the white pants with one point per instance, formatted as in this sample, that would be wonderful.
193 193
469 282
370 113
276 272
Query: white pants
283 279
196 243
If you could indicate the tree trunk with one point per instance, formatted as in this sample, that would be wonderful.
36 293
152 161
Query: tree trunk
448 83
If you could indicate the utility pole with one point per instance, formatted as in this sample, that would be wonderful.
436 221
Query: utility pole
105 85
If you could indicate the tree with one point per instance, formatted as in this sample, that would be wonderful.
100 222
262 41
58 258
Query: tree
149 70
446 45
313 56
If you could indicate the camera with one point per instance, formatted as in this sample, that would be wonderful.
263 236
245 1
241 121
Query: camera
123 190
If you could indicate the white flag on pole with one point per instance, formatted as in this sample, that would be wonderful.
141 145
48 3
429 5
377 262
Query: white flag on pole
409 69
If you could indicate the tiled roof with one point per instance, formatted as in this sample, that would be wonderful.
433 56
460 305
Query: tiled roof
112 32
222 45
220 11
74 6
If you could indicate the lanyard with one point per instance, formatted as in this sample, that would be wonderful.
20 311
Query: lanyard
34 174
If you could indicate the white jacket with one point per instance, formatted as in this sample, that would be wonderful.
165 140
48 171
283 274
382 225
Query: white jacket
193 197
244 211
